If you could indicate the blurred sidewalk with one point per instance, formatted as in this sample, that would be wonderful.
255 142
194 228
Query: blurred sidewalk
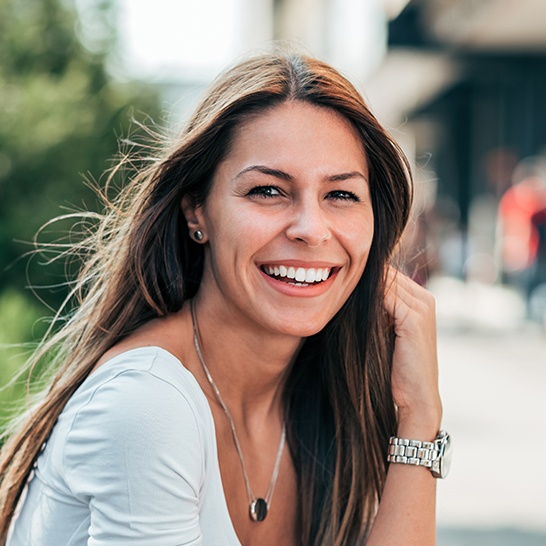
493 384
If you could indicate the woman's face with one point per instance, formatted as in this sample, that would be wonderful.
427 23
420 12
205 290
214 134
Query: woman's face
288 222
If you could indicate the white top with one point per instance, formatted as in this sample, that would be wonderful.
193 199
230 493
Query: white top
131 459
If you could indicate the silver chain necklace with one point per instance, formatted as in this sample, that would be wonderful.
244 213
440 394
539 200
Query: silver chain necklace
259 507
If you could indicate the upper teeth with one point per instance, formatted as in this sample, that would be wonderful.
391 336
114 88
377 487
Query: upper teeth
299 274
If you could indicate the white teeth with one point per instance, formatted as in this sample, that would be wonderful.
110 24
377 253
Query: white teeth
300 274
310 275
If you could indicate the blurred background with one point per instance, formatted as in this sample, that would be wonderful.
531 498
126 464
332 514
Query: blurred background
461 84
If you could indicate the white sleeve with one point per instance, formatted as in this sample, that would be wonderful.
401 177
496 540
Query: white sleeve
134 454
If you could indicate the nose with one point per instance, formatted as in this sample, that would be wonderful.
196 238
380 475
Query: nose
309 224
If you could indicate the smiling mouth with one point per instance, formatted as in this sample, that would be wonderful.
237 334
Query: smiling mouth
298 276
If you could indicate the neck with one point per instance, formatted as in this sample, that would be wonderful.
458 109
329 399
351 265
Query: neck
248 365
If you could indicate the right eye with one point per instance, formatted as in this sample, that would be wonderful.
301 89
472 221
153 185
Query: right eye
265 191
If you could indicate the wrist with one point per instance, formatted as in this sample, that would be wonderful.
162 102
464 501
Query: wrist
422 423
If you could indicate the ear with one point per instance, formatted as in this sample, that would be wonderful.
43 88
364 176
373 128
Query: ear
194 216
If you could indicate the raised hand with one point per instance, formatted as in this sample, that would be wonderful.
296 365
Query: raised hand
415 362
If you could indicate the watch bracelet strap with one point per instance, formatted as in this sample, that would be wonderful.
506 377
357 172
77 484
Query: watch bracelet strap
415 452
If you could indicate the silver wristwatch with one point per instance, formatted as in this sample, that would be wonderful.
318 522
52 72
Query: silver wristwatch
435 455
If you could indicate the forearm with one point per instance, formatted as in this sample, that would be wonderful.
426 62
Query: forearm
407 511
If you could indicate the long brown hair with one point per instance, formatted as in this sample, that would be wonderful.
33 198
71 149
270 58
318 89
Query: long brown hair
142 264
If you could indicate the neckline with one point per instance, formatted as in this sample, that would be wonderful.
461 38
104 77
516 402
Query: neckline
199 391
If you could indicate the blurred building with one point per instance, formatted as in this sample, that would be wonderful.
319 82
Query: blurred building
464 83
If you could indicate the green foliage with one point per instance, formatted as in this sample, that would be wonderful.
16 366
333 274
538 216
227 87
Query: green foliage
19 324
61 116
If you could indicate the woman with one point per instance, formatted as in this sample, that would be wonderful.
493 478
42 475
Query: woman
243 351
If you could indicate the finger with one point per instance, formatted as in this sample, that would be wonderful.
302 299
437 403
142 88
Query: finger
405 298
400 290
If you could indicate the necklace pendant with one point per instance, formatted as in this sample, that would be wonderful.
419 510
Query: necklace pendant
258 510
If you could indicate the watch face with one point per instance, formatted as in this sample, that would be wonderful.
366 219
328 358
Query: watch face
441 469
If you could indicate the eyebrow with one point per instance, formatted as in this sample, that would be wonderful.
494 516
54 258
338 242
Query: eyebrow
277 173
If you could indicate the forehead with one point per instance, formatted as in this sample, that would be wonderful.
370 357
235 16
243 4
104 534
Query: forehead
296 132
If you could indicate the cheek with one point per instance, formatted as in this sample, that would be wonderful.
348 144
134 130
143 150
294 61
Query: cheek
361 256
361 246
235 232
359 240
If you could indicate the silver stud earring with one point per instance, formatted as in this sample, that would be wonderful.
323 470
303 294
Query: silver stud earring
198 235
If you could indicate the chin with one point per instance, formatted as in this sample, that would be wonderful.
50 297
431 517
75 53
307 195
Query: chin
300 328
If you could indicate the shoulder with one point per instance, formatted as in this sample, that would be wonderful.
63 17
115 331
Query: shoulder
134 444
142 405
147 382
139 376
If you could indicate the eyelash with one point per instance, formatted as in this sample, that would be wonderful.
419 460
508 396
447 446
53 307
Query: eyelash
347 196
263 191
337 195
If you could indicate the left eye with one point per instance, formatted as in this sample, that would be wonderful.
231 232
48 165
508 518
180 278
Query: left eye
265 191
343 196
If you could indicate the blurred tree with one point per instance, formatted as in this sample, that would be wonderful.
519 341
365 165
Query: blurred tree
61 115
17 322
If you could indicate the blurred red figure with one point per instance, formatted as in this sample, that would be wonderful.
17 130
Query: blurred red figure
521 212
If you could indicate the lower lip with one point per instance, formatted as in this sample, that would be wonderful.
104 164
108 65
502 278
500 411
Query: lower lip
300 291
